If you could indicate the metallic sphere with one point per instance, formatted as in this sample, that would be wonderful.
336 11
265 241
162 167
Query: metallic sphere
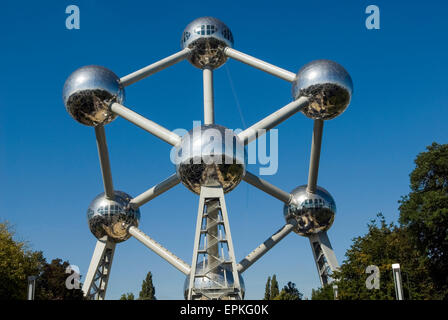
88 93
314 212
207 37
328 86
210 155
112 218
213 282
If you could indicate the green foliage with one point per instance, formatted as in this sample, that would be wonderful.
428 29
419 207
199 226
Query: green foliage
17 262
424 212
148 291
267 290
289 292
323 293
383 245
127 296
274 287
51 283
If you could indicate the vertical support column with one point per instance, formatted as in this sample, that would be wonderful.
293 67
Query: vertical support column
213 255
95 285
104 162
316 144
209 105
324 256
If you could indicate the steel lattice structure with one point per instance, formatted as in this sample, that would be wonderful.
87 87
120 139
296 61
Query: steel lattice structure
94 95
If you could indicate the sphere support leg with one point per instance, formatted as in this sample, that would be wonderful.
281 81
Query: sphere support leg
324 256
213 255
95 285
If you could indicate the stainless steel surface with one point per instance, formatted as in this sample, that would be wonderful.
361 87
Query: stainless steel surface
314 212
103 154
88 93
155 191
112 218
267 187
210 155
164 253
324 257
207 37
264 125
256 254
155 67
260 64
209 104
315 155
328 86
97 278
146 124
214 282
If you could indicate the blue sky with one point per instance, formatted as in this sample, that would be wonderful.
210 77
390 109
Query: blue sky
49 170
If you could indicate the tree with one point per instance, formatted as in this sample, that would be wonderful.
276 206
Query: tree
289 292
17 262
323 293
424 211
274 287
51 283
267 290
148 291
127 296
383 245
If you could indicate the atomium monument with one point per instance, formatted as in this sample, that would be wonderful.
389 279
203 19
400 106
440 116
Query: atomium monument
94 96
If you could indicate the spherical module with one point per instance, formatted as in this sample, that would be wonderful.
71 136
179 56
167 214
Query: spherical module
88 93
112 218
210 155
207 37
214 282
314 212
328 86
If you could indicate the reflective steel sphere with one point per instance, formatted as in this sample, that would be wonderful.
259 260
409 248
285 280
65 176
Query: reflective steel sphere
213 282
328 86
314 212
207 37
88 93
210 155
112 218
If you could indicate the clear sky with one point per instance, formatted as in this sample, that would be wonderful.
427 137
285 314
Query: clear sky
49 169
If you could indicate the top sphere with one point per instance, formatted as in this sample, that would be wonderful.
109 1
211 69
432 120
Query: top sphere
328 86
207 37
88 93
314 212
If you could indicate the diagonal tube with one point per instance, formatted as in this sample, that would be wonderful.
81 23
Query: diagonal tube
155 67
264 125
155 191
146 124
164 253
104 161
315 156
260 64
252 257
267 187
